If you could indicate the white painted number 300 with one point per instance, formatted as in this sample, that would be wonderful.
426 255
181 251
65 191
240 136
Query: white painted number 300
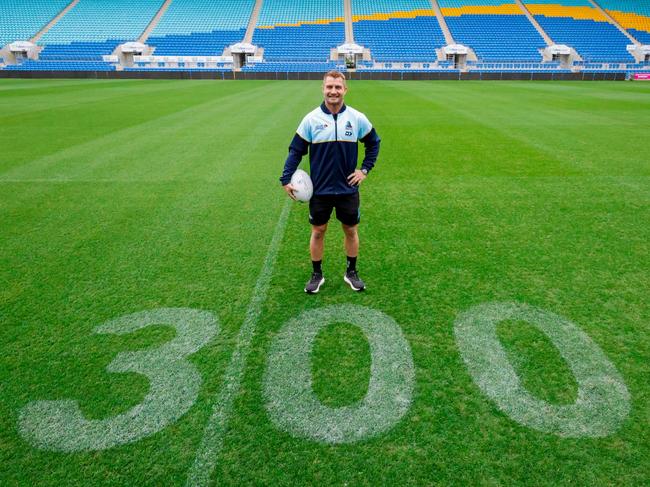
601 406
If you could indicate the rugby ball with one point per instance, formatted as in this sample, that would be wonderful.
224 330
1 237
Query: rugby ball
303 188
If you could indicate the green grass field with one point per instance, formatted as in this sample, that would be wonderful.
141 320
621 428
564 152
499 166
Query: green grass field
119 197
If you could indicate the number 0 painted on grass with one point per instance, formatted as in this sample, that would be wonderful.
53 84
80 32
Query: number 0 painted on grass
175 382
291 402
603 400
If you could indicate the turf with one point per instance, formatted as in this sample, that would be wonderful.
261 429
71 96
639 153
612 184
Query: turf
123 196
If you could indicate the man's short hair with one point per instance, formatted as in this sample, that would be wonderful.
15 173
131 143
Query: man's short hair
334 74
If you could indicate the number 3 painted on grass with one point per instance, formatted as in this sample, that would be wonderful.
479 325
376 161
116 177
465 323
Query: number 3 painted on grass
174 387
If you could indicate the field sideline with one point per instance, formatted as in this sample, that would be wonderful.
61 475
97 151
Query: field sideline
151 269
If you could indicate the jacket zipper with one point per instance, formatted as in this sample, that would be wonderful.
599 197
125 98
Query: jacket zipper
336 127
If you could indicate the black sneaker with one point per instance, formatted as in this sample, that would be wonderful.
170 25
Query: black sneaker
353 279
314 284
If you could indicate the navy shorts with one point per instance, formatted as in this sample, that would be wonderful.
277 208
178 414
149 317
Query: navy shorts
347 208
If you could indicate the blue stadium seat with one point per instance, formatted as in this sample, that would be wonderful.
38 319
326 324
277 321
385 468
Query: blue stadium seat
201 27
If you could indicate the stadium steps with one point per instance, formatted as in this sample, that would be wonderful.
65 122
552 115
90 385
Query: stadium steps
542 32
54 21
250 30
613 21
349 30
154 22
449 39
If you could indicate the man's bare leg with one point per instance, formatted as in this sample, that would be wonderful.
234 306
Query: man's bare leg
351 240
317 242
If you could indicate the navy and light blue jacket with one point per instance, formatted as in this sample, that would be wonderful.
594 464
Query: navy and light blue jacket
331 141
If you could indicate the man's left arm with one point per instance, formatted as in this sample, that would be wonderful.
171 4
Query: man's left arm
368 136
371 143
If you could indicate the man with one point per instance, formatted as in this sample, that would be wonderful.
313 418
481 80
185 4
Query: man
330 134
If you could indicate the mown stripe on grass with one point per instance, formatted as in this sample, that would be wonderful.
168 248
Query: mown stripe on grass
118 138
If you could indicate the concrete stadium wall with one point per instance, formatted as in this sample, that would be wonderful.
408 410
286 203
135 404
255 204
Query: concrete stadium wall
395 76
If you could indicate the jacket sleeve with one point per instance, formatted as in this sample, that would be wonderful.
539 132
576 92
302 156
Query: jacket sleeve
298 148
371 143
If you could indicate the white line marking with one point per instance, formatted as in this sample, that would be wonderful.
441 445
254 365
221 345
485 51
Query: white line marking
213 435
290 399
603 400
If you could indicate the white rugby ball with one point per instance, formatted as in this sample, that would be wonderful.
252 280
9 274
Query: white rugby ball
303 187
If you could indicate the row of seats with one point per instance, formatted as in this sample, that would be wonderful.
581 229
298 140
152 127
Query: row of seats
367 8
31 65
472 3
198 44
78 51
295 67
181 69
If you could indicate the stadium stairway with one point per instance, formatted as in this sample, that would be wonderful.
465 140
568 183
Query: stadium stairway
154 22
497 30
449 39
583 27
632 15
613 21
542 32
255 15
54 21
349 29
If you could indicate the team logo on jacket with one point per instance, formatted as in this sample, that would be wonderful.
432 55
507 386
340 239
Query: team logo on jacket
348 129
320 127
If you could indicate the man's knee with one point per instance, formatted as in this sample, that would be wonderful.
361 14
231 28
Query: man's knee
350 230
318 231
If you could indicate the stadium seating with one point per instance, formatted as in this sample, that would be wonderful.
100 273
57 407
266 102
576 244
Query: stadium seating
398 30
578 24
632 15
303 31
299 36
201 27
94 28
102 20
181 69
23 19
293 67
497 30
30 65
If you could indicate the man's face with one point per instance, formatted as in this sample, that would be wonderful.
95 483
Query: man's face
334 90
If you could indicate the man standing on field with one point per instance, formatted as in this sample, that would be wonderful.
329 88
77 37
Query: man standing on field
330 134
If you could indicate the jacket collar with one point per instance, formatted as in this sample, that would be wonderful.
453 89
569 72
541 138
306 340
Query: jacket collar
326 110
